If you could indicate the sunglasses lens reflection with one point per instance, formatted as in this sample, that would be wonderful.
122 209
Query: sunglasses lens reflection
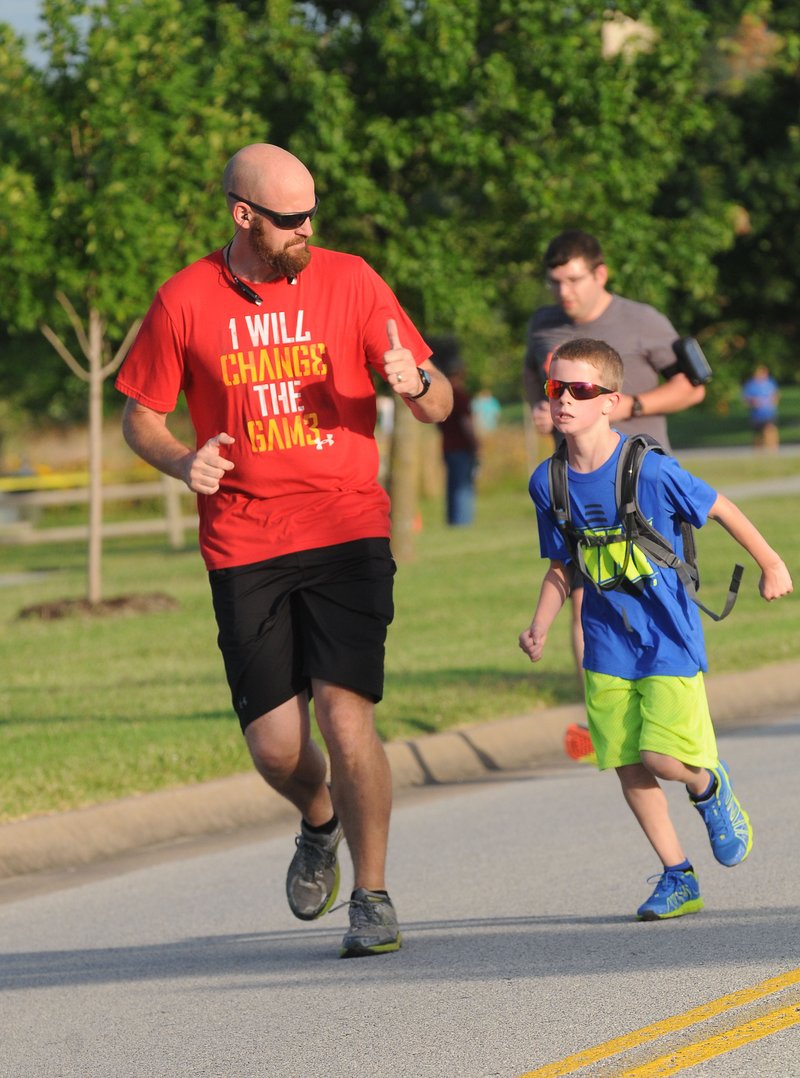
580 391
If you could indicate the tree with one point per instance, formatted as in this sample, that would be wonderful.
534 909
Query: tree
756 99
467 132
110 183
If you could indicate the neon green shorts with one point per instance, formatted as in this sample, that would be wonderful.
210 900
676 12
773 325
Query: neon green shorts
659 714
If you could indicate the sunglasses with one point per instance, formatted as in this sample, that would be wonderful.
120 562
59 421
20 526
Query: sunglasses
285 221
580 391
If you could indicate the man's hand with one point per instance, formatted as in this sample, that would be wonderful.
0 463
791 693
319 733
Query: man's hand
542 420
204 469
399 366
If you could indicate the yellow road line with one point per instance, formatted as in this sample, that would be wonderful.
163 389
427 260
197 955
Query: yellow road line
693 1054
572 1063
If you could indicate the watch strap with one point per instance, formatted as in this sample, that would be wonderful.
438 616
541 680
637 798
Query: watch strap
425 378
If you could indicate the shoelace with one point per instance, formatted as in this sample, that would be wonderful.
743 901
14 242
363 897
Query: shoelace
314 859
663 880
365 905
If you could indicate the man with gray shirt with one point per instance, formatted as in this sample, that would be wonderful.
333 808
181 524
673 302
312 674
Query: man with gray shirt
577 275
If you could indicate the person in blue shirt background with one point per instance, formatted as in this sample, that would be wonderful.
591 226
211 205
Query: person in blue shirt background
761 395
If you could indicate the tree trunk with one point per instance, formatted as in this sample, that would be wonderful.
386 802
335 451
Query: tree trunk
96 377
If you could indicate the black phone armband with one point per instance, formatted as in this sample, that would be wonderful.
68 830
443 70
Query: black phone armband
691 361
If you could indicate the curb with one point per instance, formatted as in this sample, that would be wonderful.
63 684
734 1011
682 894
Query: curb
99 832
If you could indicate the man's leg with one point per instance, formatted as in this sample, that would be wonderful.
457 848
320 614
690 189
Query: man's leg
289 761
362 793
361 780
294 766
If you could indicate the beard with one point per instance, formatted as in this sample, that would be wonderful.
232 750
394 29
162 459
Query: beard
286 261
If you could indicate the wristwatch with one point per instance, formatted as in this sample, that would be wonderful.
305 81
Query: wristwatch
637 408
425 378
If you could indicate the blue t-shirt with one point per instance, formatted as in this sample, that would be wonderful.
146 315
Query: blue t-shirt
663 634
760 395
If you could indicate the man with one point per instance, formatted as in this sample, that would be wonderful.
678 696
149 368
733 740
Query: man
273 345
459 439
577 275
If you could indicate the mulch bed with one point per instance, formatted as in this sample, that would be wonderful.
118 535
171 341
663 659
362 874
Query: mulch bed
120 606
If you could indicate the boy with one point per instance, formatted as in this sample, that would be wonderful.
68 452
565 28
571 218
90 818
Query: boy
644 651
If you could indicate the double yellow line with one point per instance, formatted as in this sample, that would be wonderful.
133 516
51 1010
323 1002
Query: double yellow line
692 1054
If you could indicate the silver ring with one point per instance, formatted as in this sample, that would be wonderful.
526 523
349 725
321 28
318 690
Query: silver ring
399 378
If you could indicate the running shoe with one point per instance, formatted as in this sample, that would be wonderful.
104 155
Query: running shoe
312 882
676 893
727 823
373 925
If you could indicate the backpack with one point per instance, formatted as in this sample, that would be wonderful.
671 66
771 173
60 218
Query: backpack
636 530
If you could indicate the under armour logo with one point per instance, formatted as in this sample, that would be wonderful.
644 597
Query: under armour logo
322 442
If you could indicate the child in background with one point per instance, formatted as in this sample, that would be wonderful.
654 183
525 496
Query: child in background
761 395
644 650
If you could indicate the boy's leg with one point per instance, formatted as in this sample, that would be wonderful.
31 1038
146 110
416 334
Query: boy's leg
696 779
614 708
678 744
648 804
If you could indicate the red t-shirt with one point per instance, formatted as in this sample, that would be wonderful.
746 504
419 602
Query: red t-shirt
290 381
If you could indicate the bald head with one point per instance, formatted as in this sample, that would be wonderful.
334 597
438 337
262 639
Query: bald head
271 176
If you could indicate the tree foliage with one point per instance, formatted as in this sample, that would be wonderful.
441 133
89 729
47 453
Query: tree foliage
450 140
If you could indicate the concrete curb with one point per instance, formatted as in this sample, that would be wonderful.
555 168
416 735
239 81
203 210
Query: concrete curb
94 834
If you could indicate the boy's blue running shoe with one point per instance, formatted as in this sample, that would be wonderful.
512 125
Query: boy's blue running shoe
727 823
677 892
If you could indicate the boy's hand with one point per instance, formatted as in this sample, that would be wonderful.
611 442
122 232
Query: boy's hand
775 581
532 642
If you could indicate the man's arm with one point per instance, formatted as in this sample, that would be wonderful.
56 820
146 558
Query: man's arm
671 396
534 395
147 434
402 375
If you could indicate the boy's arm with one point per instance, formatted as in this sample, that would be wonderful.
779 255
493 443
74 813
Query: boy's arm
775 579
552 595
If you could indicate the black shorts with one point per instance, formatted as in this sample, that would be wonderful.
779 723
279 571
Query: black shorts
319 613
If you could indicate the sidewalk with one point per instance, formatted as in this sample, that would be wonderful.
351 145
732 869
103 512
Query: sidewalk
526 741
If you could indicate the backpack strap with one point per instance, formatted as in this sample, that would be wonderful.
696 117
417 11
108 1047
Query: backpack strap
636 529
651 542
559 496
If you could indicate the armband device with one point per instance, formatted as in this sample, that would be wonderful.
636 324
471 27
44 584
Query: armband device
690 361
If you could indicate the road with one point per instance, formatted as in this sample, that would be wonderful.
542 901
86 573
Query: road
516 894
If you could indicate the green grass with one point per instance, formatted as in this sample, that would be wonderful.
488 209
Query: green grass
714 426
99 708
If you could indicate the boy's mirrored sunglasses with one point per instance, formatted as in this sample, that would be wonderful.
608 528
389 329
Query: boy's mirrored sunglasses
285 221
580 391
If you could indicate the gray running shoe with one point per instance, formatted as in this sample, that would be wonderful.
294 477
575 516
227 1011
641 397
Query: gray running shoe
312 882
373 925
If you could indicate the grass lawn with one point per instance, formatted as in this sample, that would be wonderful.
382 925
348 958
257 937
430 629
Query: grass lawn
94 709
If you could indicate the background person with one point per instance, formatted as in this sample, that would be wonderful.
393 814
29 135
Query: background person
459 439
272 344
486 411
761 395
645 653
577 275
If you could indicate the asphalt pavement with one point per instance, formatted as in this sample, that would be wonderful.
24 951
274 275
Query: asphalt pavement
91 835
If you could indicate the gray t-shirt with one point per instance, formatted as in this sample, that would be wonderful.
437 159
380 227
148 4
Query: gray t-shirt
642 336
